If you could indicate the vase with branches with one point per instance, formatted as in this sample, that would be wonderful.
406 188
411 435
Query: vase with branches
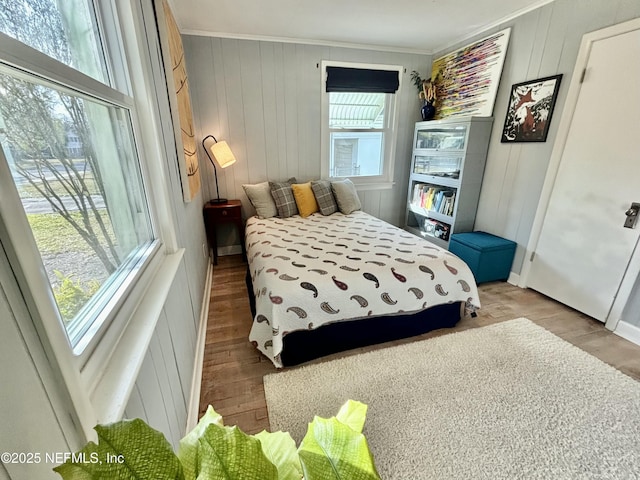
426 93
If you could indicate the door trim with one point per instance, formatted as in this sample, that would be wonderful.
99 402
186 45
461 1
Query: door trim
633 268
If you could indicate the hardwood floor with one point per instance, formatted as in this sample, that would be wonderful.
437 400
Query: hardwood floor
233 368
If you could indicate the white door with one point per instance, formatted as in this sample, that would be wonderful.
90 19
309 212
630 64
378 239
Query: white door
583 249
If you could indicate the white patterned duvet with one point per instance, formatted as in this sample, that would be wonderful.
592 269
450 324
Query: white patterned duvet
307 272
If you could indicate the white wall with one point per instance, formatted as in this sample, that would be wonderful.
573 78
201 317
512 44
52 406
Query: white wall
543 42
162 391
34 413
263 98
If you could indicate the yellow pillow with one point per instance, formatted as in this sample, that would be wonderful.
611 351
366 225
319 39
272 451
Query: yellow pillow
305 199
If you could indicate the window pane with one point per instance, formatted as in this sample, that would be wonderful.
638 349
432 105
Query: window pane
356 110
62 29
356 154
78 176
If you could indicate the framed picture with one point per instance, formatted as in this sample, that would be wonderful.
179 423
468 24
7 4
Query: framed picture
530 108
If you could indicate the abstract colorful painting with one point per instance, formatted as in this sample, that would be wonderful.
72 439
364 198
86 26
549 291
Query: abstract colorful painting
467 79
530 108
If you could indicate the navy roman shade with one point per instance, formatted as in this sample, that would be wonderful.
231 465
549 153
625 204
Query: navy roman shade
340 79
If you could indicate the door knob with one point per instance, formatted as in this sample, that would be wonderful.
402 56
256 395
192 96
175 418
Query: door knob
632 215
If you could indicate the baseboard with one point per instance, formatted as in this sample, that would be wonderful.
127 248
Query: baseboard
514 279
196 381
628 332
230 250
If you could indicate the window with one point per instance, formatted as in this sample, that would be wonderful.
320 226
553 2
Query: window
67 126
359 122
65 31
88 212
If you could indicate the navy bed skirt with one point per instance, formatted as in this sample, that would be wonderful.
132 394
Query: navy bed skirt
304 345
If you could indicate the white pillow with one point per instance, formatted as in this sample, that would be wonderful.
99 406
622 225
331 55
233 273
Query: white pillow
346 196
261 199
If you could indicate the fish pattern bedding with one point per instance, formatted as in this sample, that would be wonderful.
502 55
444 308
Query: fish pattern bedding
307 272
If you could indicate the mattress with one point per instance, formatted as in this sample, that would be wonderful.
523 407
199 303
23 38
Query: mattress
314 271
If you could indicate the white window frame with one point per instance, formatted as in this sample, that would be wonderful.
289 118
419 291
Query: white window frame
100 379
390 135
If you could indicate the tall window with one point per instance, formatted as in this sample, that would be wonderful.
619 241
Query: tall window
67 134
359 120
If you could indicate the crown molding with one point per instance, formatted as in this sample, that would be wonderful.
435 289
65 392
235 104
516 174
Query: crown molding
306 41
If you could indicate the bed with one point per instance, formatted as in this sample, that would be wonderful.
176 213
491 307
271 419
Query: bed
322 284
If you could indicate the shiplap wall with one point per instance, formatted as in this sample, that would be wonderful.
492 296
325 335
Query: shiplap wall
34 415
263 98
543 42
162 391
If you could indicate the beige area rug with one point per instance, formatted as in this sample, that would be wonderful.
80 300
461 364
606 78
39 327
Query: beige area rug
507 401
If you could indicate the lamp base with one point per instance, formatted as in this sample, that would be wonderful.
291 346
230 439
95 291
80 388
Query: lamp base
217 201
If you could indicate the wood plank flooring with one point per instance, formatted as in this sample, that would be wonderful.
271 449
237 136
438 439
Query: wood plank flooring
233 368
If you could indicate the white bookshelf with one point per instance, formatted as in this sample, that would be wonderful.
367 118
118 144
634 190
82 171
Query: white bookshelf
447 166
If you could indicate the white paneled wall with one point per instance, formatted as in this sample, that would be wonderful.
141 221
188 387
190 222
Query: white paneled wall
543 42
163 388
263 98
33 417
36 416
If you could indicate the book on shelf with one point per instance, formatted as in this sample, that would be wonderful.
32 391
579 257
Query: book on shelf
433 197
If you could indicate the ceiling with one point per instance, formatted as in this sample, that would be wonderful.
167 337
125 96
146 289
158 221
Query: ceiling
420 26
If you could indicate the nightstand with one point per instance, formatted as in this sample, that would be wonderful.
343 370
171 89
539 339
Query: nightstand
219 213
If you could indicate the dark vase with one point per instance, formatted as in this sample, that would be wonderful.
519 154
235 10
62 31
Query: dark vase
427 111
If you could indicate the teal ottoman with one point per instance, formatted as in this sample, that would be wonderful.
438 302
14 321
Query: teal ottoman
489 257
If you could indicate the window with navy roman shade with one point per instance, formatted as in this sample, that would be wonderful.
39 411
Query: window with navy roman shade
359 122
363 80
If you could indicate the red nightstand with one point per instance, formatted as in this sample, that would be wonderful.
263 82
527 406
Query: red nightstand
218 213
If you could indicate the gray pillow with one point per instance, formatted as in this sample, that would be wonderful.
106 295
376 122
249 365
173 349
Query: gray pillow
324 196
283 198
346 196
261 199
